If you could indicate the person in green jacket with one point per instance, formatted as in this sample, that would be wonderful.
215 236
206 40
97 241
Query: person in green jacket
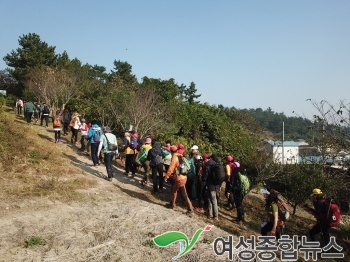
29 109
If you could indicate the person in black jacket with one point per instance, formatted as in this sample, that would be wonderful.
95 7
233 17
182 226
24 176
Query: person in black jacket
212 186
155 156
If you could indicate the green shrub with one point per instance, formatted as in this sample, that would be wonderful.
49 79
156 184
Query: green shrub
34 241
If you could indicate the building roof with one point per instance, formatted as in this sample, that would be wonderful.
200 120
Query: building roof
285 143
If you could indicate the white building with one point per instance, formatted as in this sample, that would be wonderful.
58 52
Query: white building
283 153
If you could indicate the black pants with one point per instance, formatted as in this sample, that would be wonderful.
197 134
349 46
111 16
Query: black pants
29 117
318 228
191 188
57 135
158 177
65 128
202 195
19 110
108 163
94 151
74 138
129 163
267 228
238 198
46 117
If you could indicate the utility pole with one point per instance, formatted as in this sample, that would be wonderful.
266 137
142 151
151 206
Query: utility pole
282 143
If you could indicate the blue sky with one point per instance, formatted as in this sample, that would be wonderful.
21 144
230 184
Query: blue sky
246 54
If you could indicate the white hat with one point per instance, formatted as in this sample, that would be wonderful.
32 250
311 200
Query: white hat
194 147
264 191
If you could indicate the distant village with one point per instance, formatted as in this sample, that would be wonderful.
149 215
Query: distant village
296 152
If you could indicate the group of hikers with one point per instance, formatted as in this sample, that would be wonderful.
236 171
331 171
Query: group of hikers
197 177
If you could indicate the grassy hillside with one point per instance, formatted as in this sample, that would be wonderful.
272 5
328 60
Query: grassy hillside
32 166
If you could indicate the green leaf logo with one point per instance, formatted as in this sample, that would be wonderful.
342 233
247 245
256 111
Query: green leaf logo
170 237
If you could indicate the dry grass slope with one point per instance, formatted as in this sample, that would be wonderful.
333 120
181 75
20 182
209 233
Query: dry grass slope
55 208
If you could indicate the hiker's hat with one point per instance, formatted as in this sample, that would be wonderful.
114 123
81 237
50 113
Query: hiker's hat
194 147
316 191
229 158
205 156
265 191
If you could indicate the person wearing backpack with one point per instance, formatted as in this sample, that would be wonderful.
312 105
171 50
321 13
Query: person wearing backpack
28 110
271 208
201 187
94 136
238 193
129 154
57 123
45 112
155 156
229 168
142 158
320 214
179 181
84 131
191 178
66 120
213 185
106 139
75 125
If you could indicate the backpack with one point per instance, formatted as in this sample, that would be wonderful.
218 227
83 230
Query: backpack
46 110
66 117
245 183
332 214
133 143
56 122
97 136
142 156
218 173
156 160
283 212
184 167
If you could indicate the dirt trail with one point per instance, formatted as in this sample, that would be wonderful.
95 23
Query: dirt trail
117 222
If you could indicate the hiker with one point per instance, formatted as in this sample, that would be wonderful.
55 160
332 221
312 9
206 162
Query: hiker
28 110
66 120
57 123
179 182
201 186
212 186
84 131
320 214
135 145
36 111
155 156
180 149
129 154
19 106
167 145
45 112
108 138
229 168
75 124
271 207
142 157
235 191
94 135
191 178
